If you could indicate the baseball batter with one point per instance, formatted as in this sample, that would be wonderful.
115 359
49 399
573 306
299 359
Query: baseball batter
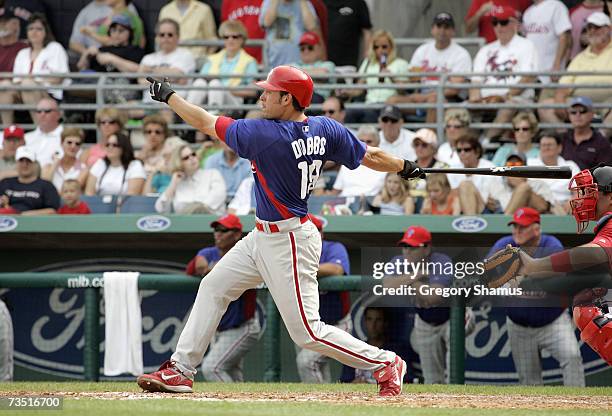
592 202
287 151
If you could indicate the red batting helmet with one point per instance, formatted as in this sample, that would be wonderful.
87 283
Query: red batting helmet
292 80
585 187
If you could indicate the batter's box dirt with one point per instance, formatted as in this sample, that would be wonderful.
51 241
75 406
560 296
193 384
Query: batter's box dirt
420 400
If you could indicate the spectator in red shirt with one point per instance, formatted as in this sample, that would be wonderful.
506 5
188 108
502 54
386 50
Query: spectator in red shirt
479 15
9 42
71 196
247 12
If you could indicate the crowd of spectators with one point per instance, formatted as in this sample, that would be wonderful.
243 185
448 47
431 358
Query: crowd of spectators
323 38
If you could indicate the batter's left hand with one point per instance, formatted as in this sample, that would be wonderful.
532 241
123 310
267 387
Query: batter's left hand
160 90
411 171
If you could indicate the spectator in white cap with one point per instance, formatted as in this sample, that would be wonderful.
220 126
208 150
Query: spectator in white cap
26 193
425 145
597 57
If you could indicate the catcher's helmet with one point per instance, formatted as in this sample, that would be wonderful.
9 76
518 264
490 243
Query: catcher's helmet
586 186
292 80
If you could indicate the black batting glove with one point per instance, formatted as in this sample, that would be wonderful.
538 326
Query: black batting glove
160 90
411 171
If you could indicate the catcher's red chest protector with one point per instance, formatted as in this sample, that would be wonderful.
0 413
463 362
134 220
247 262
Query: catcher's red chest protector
595 330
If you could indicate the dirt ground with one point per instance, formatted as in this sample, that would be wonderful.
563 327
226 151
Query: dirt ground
415 400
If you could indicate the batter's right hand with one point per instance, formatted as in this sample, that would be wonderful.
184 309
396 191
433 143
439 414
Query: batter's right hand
411 171
160 90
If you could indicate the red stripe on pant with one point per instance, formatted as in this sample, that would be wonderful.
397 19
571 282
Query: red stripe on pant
303 314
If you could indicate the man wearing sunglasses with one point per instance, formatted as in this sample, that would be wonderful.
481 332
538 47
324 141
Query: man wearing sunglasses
239 329
169 60
311 62
46 139
509 53
395 139
440 55
597 57
583 144
479 15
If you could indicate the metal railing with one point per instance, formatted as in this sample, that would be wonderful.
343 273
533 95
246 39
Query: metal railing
71 83
169 283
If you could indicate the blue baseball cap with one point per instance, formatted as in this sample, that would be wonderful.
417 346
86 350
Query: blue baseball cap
586 102
121 19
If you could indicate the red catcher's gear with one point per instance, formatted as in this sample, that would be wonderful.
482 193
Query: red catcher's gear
292 80
584 202
595 330
585 187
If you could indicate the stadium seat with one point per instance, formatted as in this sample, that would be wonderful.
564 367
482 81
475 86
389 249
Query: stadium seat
137 204
106 204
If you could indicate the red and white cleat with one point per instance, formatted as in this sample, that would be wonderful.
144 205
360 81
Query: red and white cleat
391 378
168 379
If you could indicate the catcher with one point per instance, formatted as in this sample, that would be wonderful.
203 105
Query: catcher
592 201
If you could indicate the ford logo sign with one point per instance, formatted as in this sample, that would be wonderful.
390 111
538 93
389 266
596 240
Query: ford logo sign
153 223
469 224
7 224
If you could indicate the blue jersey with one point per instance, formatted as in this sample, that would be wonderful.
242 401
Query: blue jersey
238 311
532 316
287 158
333 306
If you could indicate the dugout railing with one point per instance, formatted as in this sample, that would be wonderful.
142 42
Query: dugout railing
94 282
96 84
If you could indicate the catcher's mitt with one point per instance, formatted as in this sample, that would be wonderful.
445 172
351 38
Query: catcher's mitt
501 267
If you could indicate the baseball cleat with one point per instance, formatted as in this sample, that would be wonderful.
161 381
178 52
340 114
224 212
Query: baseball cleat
391 378
168 379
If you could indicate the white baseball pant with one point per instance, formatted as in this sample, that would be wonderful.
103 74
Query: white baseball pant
431 342
225 355
287 261
312 366
558 339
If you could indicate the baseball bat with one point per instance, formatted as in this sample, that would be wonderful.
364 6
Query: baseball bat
536 172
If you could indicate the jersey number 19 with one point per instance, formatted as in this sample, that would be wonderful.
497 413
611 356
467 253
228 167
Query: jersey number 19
310 175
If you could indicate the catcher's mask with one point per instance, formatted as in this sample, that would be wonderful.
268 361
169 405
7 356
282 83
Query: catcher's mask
585 187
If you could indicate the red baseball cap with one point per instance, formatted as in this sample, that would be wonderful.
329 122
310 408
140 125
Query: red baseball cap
525 216
415 236
14 131
309 38
229 221
503 12
320 223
